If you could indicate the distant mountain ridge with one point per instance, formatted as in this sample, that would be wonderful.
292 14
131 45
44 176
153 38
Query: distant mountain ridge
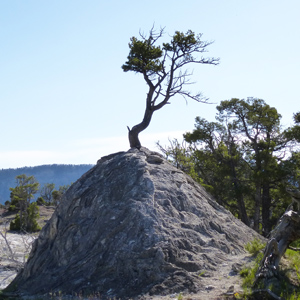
57 174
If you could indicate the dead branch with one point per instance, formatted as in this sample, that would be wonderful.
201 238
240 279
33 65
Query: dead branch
3 234
10 255
286 231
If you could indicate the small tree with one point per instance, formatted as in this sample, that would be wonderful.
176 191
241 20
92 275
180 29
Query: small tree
163 69
29 224
244 158
46 192
33 215
40 201
219 162
181 157
264 146
57 194
293 133
21 196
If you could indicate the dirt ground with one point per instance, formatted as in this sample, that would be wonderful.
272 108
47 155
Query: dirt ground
44 211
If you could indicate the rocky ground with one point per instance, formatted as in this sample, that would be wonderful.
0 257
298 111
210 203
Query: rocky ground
15 247
223 283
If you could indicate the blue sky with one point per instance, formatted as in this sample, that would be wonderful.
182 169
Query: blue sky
65 99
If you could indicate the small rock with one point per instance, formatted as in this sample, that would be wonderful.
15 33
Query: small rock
237 267
230 290
154 159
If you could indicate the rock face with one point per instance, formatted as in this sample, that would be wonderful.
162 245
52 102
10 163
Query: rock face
131 225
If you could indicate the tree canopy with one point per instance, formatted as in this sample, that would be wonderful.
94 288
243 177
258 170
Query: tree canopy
245 159
163 69
21 195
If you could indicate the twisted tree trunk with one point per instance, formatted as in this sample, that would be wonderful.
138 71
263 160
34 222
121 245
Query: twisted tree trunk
133 133
286 231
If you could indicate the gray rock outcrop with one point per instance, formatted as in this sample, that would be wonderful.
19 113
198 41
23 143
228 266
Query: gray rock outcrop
131 225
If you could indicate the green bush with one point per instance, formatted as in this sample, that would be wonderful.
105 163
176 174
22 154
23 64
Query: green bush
255 246
33 215
40 201
289 286
29 220
12 207
15 225
248 273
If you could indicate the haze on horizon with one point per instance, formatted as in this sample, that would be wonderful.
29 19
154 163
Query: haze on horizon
65 99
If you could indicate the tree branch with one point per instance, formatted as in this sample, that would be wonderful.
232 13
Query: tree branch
160 65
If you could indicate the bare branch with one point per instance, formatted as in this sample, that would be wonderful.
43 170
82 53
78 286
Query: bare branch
153 36
198 97
4 236
293 248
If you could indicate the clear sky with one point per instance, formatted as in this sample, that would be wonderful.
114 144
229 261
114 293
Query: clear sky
65 99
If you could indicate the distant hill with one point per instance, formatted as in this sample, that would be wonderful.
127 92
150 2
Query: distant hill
57 174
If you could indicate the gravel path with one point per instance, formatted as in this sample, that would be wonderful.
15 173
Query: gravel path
222 283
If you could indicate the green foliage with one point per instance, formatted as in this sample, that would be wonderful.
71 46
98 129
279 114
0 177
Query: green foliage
202 273
180 155
295 244
24 191
292 169
293 258
21 197
254 247
180 297
58 194
259 124
184 43
293 133
46 192
15 225
242 159
29 222
144 56
147 58
12 207
32 217
294 296
40 201
291 284
289 278
248 273
164 70
57 174
219 162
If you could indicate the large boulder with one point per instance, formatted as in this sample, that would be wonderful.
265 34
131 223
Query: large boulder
133 224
